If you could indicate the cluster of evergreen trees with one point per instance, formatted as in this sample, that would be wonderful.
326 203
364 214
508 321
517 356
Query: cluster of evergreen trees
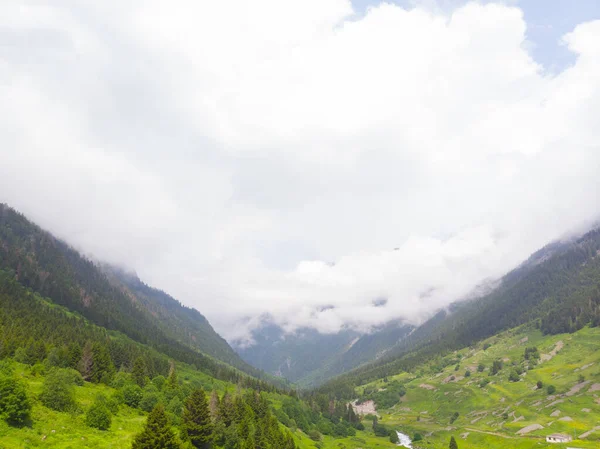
240 421
52 269
34 330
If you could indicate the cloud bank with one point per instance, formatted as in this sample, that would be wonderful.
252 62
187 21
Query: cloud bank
294 159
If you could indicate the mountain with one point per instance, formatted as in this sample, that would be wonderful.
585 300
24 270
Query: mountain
556 290
552 287
107 296
307 357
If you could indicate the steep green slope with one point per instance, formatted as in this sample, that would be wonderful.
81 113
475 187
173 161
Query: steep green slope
53 269
558 289
183 324
557 391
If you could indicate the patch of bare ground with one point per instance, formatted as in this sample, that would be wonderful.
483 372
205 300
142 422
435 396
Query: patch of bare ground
559 345
427 387
366 408
530 428
575 389
588 433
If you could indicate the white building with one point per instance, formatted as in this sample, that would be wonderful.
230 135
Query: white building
558 438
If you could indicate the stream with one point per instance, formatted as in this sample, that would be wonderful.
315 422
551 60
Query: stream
404 440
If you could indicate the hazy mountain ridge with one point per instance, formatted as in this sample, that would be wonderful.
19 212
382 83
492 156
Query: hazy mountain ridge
309 358
110 298
557 290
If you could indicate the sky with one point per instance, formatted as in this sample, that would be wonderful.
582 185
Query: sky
301 162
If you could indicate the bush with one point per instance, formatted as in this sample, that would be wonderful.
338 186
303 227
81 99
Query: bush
98 416
14 404
132 395
540 384
480 367
75 376
159 382
551 389
484 383
315 435
120 380
394 437
417 437
514 376
149 401
467 373
496 367
58 392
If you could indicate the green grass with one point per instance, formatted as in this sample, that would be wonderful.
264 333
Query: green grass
428 411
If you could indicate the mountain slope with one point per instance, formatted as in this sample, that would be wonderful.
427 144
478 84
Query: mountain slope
309 358
53 269
557 289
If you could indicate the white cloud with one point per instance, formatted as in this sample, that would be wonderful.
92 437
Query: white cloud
268 157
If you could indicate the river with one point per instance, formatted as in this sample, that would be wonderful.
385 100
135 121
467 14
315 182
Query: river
404 440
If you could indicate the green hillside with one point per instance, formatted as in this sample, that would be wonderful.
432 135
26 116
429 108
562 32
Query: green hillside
485 410
105 296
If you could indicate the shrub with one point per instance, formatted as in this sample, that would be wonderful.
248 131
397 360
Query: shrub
551 389
514 376
149 401
159 382
315 435
394 437
98 416
417 437
496 367
58 392
467 373
480 367
132 395
540 384
14 404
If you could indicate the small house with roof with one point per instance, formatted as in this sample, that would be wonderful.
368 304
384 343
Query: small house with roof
558 438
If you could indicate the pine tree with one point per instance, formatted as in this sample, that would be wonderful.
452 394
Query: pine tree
138 373
172 381
196 422
102 366
453 444
86 362
214 404
157 433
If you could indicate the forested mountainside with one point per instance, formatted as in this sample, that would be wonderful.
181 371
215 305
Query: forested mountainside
107 297
557 290
184 324
85 363
308 358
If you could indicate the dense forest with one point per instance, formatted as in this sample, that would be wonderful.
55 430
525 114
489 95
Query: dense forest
54 270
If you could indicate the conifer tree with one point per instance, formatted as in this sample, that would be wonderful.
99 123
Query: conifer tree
196 422
157 433
138 373
214 404
86 361
453 444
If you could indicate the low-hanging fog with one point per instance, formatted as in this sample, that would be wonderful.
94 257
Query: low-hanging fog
293 158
